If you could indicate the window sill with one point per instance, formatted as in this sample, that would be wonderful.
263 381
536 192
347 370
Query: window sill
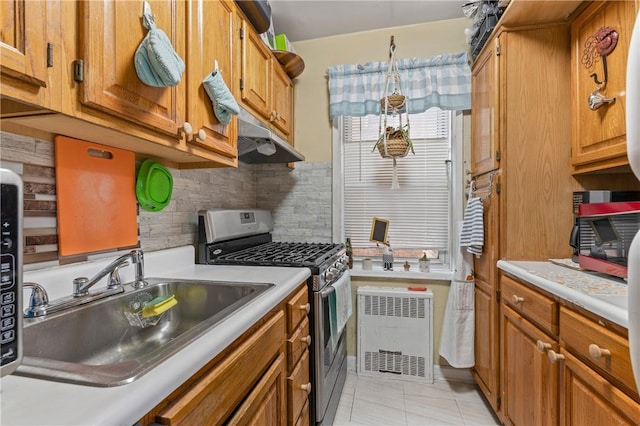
400 273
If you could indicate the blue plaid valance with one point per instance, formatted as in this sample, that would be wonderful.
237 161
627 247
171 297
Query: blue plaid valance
442 81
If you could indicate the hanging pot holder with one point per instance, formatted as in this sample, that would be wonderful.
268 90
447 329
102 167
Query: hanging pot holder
157 63
224 104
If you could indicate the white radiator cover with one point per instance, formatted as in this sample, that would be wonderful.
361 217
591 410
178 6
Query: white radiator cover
395 333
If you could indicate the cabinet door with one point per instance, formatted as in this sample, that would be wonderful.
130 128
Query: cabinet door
255 84
282 101
265 405
23 46
486 335
529 381
588 399
110 34
210 40
484 116
599 137
485 266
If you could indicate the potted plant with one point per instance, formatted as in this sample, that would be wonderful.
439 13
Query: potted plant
407 266
424 263
398 142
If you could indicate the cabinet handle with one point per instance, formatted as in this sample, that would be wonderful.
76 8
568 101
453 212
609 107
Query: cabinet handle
201 136
306 307
306 339
187 129
554 356
542 346
272 116
597 352
306 387
517 299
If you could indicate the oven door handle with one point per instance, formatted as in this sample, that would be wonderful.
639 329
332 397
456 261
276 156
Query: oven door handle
324 293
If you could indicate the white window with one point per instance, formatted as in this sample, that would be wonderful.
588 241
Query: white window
421 212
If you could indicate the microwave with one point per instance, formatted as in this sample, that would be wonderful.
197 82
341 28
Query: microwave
605 234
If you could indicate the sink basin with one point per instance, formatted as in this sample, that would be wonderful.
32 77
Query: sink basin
96 345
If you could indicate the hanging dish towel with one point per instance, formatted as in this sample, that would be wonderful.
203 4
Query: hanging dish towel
472 232
457 337
157 63
340 308
224 104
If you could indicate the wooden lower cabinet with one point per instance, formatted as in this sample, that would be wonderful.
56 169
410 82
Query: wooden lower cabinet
486 336
586 398
262 378
552 373
529 381
265 405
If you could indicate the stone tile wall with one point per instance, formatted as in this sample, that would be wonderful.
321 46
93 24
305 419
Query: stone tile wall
299 198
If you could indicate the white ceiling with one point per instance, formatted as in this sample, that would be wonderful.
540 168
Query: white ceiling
309 19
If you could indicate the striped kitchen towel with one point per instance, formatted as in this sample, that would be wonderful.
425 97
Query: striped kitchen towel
472 232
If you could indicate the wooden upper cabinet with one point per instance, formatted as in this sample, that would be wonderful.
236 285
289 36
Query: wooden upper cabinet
110 32
599 136
255 83
209 40
23 46
484 116
282 101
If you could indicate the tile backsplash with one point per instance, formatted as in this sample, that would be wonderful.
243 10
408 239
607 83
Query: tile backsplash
299 198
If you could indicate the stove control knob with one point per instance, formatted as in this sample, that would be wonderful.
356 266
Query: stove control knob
330 275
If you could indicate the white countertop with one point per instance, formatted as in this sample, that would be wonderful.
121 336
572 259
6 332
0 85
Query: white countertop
26 401
603 296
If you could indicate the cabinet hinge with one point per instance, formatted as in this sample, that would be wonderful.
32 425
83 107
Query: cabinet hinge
241 33
498 300
498 155
498 187
497 50
78 70
49 55
242 84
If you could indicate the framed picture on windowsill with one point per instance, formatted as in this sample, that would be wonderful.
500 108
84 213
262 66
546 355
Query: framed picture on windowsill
379 230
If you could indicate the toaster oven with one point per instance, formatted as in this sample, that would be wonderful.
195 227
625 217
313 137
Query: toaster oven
606 231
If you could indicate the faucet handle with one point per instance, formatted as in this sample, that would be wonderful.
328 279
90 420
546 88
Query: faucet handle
114 276
78 283
38 301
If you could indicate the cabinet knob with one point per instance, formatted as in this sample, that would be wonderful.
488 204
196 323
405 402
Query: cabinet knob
201 136
542 346
306 339
306 307
554 356
306 387
272 116
597 352
187 129
517 299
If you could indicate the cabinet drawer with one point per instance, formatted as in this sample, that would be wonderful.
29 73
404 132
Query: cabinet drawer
297 344
218 392
597 346
297 309
298 388
537 307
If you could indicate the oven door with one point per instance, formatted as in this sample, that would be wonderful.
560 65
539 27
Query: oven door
330 352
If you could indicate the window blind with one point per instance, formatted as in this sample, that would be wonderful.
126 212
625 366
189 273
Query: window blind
419 212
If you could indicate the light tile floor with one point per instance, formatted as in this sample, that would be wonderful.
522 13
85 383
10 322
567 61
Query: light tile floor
377 401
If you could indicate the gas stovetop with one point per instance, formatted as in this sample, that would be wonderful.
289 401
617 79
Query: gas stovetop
283 254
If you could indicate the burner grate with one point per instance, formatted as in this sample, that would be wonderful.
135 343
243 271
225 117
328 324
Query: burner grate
283 253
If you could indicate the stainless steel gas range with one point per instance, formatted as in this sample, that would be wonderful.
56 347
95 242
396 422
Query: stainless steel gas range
243 237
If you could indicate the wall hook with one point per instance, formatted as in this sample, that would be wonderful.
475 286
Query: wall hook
605 71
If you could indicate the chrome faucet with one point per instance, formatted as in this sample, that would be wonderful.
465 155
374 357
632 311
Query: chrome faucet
39 304
81 285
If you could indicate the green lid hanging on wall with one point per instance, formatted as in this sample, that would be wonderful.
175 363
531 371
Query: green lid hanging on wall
153 186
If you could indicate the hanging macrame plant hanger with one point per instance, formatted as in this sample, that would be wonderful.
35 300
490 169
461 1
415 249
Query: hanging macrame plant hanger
393 142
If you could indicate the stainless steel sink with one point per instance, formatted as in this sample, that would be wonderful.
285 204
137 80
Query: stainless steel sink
96 345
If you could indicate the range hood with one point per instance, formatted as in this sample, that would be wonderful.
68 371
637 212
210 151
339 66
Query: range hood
258 144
